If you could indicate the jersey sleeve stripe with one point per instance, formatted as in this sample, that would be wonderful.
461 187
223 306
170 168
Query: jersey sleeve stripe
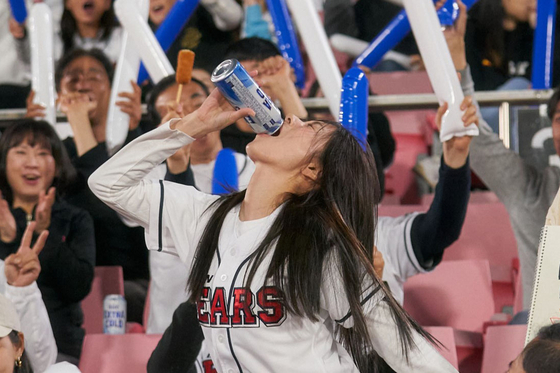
409 249
160 218
364 301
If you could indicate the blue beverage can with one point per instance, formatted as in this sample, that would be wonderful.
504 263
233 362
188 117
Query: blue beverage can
241 91
114 314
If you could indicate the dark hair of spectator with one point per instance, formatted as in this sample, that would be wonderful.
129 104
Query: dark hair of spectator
43 134
69 28
553 103
542 355
252 49
158 89
487 16
68 58
25 363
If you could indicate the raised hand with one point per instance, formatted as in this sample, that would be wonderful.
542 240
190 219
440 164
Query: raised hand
23 267
8 229
274 75
174 110
214 114
43 210
76 103
456 149
16 29
77 107
455 37
132 106
33 110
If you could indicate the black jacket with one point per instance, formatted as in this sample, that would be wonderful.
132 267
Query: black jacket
117 244
180 344
67 267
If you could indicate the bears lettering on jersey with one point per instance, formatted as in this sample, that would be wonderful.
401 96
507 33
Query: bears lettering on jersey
247 310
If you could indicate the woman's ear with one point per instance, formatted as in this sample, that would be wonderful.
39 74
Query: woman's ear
19 348
311 171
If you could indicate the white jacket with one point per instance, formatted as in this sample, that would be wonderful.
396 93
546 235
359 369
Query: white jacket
36 327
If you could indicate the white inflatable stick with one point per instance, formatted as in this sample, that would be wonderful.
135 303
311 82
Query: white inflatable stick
42 63
439 65
144 40
322 58
128 65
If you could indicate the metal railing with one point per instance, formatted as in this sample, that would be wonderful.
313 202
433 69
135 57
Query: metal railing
503 99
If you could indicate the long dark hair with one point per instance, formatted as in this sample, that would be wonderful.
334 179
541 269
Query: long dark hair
487 16
332 226
42 133
25 363
68 27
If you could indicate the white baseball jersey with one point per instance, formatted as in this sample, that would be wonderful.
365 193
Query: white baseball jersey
256 335
168 272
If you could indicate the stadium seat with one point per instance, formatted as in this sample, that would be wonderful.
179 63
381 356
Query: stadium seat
487 234
445 335
456 294
127 353
107 280
502 344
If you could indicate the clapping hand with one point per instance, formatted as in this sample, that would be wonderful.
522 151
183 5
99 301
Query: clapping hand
43 210
7 222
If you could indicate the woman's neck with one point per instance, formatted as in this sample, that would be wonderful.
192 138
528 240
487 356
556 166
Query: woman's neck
267 190
88 30
26 205
206 156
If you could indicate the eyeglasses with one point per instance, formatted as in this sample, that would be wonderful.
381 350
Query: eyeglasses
72 78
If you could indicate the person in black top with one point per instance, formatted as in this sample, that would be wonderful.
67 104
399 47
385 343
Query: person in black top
499 46
34 172
83 83
499 42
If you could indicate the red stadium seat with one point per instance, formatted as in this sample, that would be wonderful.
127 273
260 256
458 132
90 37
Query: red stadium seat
445 335
501 346
486 235
127 353
456 294
400 180
107 280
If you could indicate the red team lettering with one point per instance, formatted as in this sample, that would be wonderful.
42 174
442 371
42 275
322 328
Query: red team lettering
208 366
213 309
219 307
